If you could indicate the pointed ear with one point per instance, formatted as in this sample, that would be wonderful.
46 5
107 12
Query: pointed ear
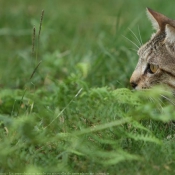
158 20
170 33
170 39
152 19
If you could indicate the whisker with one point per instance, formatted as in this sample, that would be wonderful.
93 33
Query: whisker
133 49
151 99
131 41
140 36
155 101
167 99
163 90
159 102
135 36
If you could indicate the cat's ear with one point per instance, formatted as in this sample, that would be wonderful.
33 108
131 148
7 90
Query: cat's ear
158 20
170 39
170 33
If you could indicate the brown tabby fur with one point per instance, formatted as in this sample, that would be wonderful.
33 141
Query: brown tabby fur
159 51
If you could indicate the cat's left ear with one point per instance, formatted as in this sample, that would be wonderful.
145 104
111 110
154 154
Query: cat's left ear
158 20
170 34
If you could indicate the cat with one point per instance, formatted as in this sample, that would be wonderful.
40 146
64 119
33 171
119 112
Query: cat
156 64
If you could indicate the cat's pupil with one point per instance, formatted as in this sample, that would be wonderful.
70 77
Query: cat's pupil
148 69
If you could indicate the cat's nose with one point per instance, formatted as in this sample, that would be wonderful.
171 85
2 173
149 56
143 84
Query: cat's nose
133 84
134 80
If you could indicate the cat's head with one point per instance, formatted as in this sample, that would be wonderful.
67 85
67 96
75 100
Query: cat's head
156 64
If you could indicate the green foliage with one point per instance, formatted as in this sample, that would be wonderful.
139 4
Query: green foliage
73 115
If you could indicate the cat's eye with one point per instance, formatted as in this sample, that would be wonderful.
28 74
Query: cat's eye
152 68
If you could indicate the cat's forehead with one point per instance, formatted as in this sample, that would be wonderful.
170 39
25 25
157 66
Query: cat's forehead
145 50
151 47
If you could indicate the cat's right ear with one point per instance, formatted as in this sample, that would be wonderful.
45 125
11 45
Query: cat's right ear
170 39
170 34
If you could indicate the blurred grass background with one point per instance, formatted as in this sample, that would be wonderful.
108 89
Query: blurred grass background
82 45
81 31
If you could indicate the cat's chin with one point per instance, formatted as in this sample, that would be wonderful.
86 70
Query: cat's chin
138 88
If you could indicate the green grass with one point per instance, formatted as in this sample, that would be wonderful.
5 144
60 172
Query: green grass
77 113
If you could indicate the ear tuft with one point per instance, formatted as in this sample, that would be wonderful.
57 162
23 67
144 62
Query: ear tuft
152 19
158 20
170 33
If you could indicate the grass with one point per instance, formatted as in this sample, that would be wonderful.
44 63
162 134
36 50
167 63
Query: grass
77 113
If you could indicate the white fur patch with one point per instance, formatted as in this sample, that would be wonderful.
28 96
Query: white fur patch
153 20
153 35
170 33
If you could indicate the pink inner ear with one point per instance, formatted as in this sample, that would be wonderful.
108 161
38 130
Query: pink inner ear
161 19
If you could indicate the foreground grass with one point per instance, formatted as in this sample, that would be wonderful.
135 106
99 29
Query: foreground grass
74 114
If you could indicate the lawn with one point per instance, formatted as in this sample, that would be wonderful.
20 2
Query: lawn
66 105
